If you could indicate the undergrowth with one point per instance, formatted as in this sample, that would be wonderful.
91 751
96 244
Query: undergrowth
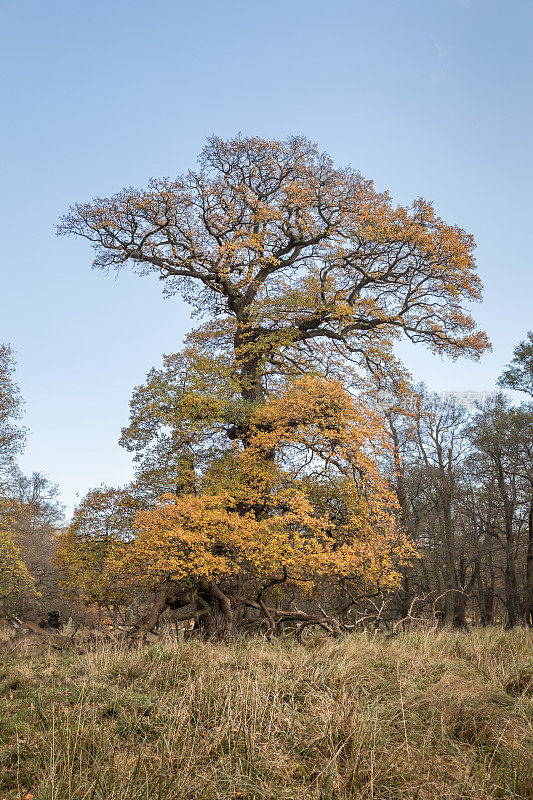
424 716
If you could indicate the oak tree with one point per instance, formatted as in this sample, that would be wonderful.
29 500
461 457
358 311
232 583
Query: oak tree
260 432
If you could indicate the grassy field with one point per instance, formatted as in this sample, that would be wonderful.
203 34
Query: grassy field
446 715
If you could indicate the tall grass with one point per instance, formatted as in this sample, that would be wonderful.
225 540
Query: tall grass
419 716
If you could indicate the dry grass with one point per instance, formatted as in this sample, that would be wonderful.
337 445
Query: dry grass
420 716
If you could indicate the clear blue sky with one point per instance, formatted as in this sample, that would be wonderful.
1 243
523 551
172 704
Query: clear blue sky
427 97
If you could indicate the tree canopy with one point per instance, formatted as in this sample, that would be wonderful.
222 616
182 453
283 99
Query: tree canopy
14 575
291 259
519 374
11 434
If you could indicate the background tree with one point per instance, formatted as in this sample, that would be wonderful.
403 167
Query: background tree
519 373
15 579
30 515
523 426
35 528
14 575
103 518
464 483
430 446
11 434
495 459
442 447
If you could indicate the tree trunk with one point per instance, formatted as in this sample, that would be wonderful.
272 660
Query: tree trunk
224 604
529 567
511 585
249 360
459 617
484 612
449 555
508 496
170 595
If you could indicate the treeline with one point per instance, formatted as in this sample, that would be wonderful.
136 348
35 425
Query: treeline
30 517
465 487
